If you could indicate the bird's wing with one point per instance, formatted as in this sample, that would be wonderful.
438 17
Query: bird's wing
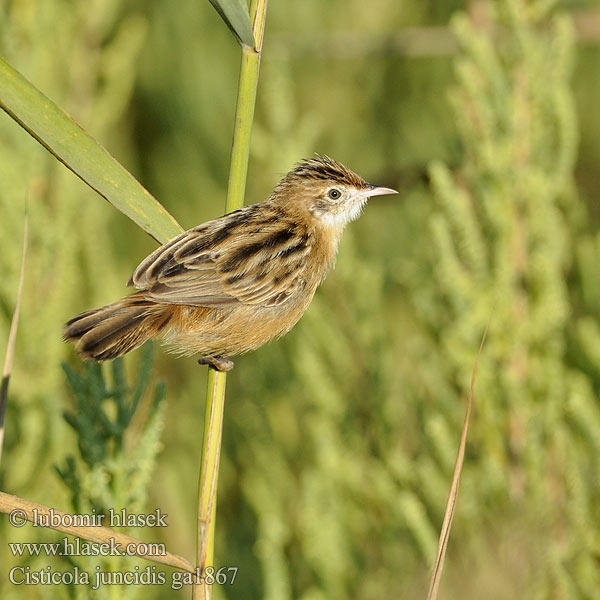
250 256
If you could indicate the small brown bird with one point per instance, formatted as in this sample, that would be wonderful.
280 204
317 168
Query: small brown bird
232 284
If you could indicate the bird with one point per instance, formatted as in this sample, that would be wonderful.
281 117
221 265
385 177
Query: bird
232 284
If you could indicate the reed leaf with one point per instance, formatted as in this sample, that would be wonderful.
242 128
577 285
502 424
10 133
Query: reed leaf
236 17
82 154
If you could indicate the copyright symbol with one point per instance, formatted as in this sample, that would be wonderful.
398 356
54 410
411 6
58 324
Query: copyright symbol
17 517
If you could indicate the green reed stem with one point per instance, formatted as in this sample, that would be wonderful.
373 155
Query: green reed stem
215 398
243 122
211 450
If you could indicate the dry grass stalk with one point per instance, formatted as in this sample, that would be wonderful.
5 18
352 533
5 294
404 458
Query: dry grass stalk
452 497
21 509
12 337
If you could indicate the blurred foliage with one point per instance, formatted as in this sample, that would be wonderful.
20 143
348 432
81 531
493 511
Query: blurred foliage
100 419
507 225
340 438
116 456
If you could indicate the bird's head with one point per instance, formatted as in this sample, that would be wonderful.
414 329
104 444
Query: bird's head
327 191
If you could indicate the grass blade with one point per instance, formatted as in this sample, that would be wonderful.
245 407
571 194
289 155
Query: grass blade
81 153
451 504
12 337
235 14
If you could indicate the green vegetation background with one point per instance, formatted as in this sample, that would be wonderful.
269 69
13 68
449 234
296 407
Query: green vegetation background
340 439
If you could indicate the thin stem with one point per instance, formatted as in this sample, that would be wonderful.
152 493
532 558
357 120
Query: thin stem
207 493
12 337
39 514
215 401
244 116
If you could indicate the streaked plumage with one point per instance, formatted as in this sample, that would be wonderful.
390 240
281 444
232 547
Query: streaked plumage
232 284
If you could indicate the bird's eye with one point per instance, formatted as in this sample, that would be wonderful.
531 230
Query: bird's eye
334 193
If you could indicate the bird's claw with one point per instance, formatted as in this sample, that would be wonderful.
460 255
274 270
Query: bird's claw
218 363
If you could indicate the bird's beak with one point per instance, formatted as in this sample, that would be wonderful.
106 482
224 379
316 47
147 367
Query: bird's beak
373 190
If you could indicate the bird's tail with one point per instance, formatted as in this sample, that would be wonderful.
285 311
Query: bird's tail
113 330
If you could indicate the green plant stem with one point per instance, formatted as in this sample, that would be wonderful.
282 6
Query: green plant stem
243 126
211 450
215 400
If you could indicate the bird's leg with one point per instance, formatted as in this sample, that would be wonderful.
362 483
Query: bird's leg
218 363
